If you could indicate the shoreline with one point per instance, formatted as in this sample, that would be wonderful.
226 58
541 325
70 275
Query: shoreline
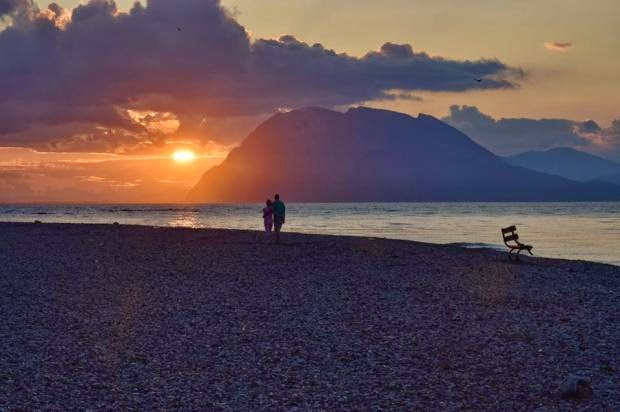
568 231
106 316
498 248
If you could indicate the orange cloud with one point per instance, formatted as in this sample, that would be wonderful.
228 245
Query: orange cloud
558 46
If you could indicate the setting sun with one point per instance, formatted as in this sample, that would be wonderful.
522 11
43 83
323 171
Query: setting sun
183 156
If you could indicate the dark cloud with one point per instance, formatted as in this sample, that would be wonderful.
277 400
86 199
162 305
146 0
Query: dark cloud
193 59
7 7
11 7
589 126
20 12
510 136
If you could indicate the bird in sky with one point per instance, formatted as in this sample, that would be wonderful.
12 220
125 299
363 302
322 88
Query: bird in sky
478 80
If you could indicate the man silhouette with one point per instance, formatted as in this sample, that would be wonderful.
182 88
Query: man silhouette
279 215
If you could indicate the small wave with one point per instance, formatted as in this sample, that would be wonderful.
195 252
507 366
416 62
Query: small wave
478 245
150 210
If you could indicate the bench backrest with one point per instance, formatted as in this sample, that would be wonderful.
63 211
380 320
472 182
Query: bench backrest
510 234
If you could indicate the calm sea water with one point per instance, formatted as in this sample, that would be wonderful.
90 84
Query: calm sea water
588 231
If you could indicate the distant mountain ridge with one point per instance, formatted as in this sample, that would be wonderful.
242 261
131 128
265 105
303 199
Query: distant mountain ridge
568 163
613 178
319 155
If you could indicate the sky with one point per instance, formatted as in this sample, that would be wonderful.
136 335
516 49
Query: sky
98 95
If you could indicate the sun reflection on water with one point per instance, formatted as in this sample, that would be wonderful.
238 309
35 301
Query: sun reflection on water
186 220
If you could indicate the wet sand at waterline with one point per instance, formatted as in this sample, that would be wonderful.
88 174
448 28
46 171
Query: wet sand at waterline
103 316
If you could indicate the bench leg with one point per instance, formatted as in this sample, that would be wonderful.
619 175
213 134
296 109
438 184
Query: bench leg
510 254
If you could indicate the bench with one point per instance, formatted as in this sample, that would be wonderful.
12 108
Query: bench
511 239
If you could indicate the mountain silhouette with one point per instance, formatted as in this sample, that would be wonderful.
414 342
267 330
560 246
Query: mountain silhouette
367 155
566 162
613 178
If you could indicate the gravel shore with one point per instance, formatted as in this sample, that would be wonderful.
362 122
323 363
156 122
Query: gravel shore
100 317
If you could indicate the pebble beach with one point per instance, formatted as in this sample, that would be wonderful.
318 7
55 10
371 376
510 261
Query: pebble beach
131 317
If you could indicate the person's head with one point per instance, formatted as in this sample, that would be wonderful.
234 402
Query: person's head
277 196
268 202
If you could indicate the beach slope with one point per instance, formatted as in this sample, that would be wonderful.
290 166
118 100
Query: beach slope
122 317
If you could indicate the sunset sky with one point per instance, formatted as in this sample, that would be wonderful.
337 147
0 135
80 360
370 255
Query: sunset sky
97 97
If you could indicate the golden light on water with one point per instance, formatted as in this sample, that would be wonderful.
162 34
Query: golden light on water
183 156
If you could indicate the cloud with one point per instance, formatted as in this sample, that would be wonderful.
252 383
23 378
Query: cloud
7 7
192 59
558 46
400 95
12 7
20 12
511 136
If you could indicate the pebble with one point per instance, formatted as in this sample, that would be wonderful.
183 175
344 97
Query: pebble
576 387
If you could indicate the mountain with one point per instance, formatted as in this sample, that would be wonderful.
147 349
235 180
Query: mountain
320 155
613 178
568 163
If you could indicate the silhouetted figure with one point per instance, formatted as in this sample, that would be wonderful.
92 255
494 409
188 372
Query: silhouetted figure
279 216
268 218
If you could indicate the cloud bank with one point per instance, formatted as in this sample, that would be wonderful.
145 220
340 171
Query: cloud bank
87 68
511 136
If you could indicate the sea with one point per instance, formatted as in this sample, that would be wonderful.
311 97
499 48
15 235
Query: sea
580 231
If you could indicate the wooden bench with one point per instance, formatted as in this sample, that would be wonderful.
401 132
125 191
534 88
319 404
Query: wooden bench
511 239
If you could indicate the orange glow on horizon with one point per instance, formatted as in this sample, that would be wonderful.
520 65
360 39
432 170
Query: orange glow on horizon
183 156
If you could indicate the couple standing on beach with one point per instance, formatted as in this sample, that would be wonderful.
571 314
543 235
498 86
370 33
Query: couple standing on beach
274 216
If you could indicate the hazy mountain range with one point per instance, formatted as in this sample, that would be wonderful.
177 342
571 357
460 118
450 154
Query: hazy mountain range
365 154
569 163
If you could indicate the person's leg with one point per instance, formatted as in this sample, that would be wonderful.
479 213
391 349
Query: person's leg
268 226
278 227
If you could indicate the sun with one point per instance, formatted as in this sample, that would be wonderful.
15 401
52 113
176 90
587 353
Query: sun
183 156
